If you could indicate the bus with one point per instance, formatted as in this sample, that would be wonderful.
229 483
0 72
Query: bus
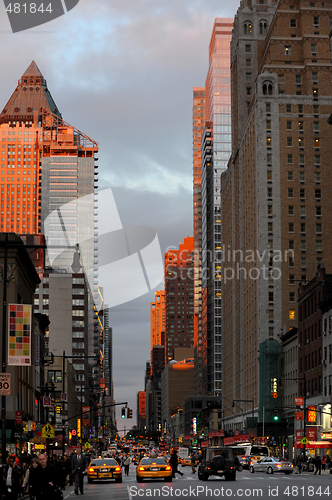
245 450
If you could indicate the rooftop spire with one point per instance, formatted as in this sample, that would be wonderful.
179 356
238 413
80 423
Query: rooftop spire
33 70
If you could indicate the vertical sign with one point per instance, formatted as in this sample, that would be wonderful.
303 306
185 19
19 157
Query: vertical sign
312 410
79 427
86 416
19 335
37 360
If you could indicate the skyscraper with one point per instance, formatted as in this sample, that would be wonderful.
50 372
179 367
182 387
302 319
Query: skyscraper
216 149
278 228
179 293
157 323
198 124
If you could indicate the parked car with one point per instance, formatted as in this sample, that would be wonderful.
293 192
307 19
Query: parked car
217 461
153 468
271 465
104 468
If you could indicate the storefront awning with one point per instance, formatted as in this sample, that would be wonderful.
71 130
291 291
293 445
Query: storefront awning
314 445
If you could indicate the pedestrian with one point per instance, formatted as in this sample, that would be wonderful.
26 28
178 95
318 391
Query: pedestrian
193 463
62 473
79 466
69 471
10 483
324 460
27 486
318 464
298 465
174 463
126 463
43 478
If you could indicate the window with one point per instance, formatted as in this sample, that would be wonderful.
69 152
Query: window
291 227
290 193
315 92
302 210
301 142
269 175
293 23
319 246
268 124
301 125
301 159
288 50
268 158
289 142
268 107
289 124
271 295
316 126
249 90
270 227
290 210
303 227
318 227
289 158
281 78
248 48
300 109
291 296
317 177
268 142
316 21
247 28
317 159
318 193
54 376
291 245
262 27
317 143
313 48
315 109
248 62
291 262
298 79
248 77
290 175
270 209
292 279
302 193
269 192
291 314
314 77
288 108
318 210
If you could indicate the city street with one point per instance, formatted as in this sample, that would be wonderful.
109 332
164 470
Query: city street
247 485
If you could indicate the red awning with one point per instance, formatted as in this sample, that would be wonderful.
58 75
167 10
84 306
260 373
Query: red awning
314 444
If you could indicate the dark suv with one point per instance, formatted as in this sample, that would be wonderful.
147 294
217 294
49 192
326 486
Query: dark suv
217 461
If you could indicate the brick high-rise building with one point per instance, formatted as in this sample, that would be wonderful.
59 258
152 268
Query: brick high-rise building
276 209
179 293
157 323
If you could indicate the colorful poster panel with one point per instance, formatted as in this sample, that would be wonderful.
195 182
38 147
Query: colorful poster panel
19 335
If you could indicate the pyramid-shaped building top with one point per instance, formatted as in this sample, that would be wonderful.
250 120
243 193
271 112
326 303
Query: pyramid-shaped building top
29 97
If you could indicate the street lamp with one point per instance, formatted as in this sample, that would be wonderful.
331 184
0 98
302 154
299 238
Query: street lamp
246 401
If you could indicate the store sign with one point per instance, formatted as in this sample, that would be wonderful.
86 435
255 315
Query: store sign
299 415
312 412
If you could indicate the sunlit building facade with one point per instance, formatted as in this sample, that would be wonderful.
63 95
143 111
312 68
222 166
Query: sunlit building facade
157 323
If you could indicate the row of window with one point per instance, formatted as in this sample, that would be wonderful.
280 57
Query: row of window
318 210
303 227
302 193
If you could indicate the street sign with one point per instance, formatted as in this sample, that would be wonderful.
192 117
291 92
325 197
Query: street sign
47 401
87 446
18 418
304 441
64 397
4 384
48 431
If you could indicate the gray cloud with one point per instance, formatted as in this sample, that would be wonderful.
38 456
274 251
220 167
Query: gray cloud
123 72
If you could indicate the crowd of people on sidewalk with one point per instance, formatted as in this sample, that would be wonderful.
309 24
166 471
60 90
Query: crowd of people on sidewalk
313 464
43 476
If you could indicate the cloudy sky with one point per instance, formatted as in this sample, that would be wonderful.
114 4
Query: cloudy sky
122 71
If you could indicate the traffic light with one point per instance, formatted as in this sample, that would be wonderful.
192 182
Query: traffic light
276 415
129 413
123 412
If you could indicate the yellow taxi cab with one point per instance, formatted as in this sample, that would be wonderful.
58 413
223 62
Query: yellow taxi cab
186 461
104 468
153 468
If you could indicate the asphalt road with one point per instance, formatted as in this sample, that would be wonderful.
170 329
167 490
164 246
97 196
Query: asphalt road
259 485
